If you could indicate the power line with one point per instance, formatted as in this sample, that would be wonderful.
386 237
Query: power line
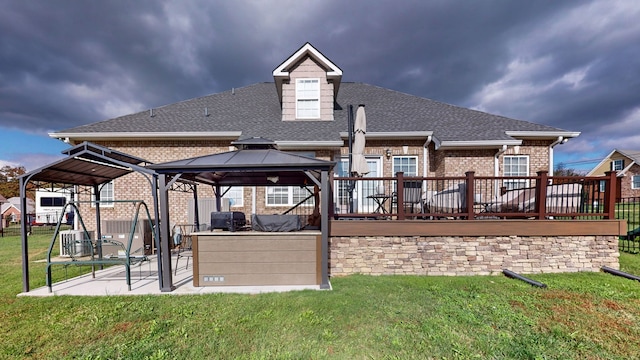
581 162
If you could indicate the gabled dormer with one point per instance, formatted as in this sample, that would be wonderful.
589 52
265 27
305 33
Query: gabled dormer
307 84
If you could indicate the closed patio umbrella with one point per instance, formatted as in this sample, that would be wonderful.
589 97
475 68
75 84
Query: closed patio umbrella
359 166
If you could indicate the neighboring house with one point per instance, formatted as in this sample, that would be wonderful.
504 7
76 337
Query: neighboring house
3 200
627 165
9 213
11 210
306 110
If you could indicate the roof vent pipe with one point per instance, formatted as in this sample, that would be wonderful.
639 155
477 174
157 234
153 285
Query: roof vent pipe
206 111
233 91
151 112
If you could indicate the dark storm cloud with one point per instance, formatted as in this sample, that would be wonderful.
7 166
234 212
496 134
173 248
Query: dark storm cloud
570 64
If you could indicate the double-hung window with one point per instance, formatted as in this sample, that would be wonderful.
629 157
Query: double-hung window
516 166
617 165
635 182
290 195
235 194
106 195
307 98
406 164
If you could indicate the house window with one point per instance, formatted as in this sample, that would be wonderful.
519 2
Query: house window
603 185
406 164
516 166
288 195
617 165
308 98
635 182
106 195
235 194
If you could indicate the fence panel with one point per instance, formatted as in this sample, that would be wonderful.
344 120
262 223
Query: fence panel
629 209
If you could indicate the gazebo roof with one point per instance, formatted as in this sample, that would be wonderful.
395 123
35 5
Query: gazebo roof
87 164
246 167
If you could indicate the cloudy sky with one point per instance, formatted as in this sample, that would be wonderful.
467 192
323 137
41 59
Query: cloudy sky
569 64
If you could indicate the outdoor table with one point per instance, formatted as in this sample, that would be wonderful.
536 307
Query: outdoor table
380 200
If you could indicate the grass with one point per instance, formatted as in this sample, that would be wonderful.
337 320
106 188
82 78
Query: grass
579 316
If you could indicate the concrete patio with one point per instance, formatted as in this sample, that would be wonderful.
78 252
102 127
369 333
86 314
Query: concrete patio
144 281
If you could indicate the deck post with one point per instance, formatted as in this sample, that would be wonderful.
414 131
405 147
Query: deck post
470 196
541 194
400 194
610 195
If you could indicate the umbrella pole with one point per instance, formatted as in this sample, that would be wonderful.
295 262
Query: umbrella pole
350 140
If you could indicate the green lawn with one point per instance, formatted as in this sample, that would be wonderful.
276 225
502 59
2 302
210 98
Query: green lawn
579 316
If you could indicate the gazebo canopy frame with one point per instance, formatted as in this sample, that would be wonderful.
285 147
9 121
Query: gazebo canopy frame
255 163
86 164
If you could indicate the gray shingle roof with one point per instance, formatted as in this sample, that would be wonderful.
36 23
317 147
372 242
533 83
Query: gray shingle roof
631 154
255 111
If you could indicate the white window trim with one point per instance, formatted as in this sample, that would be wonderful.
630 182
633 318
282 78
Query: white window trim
617 161
290 201
298 98
520 181
240 202
397 157
104 203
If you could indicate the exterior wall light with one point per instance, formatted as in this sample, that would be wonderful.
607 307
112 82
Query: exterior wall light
388 153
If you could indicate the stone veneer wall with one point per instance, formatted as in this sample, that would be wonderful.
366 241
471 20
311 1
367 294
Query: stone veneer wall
457 255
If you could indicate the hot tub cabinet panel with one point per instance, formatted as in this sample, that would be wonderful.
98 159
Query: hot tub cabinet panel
256 258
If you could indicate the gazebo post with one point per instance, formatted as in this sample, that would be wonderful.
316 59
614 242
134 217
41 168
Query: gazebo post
324 228
23 233
156 227
196 212
164 252
96 191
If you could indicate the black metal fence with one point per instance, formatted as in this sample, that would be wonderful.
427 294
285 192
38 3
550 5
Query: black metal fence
14 230
629 209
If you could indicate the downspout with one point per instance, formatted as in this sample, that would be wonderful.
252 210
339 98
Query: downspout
496 163
496 169
425 161
559 140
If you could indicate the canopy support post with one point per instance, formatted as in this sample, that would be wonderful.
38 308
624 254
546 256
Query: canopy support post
324 227
164 252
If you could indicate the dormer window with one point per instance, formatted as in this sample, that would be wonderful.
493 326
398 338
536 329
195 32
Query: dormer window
307 98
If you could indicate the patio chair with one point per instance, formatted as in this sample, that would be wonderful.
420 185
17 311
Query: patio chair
451 200
564 198
513 201
413 201
182 240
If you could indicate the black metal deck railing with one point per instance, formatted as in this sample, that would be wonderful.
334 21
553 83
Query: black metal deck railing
472 197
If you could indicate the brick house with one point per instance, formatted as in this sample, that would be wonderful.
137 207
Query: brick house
627 165
306 110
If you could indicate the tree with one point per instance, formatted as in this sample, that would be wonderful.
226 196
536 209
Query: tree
562 170
9 182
